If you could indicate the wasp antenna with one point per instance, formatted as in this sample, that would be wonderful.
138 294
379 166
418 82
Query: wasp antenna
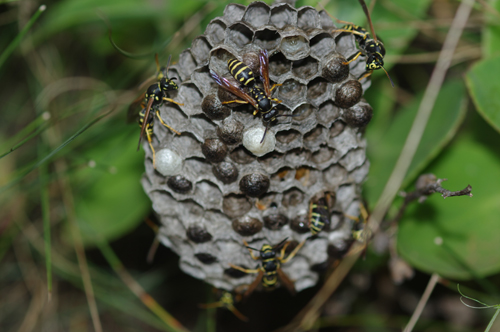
168 65
253 248
390 79
264 136
367 13
281 243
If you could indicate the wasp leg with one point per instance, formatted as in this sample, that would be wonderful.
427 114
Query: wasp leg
172 101
150 141
254 284
251 252
166 125
293 253
236 312
364 35
274 86
367 74
248 271
235 101
352 58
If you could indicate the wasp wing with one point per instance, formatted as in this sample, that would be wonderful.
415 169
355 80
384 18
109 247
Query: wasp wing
235 90
264 71
286 281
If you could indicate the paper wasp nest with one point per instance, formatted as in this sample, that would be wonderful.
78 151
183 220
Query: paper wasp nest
223 193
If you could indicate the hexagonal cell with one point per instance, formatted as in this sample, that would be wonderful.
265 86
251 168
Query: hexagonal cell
283 174
300 224
231 131
291 92
193 95
302 112
198 234
213 108
334 176
336 128
233 12
238 35
267 39
254 184
323 155
318 90
314 138
307 176
272 161
187 64
325 20
328 113
236 205
242 156
353 159
322 44
206 258
218 61
225 172
200 48
305 69
298 156
216 31
208 195
257 14
358 115
295 47
275 221
286 137
279 65
292 197
308 18
283 15
201 78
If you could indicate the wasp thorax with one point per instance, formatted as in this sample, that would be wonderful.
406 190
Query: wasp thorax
227 180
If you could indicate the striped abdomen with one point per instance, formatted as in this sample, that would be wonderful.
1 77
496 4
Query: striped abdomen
319 216
241 72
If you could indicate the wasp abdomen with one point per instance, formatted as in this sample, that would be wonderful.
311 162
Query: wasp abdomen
241 72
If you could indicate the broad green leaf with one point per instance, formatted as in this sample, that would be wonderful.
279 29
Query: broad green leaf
468 226
111 200
484 88
491 32
383 151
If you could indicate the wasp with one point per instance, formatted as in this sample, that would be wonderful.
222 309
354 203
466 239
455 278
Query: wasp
260 99
372 48
319 213
270 268
153 98
227 301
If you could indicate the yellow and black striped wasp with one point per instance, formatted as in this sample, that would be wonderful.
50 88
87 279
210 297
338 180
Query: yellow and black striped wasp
362 234
260 99
270 268
226 300
372 48
154 97
319 213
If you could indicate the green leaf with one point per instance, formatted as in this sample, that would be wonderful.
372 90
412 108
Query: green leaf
111 200
383 150
491 32
467 226
484 87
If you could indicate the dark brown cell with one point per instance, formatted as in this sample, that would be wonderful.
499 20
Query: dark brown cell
247 226
214 150
337 253
179 184
348 94
231 131
206 258
233 273
275 221
300 224
198 234
321 267
225 172
214 109
335 70
359 115
255 184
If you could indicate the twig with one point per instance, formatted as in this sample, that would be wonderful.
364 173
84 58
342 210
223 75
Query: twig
421 304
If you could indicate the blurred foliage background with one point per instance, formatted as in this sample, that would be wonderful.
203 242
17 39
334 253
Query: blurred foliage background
69 169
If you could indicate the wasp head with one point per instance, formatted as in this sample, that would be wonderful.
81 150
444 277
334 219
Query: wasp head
168 84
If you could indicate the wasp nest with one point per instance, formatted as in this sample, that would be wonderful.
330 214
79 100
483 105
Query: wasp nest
222 192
